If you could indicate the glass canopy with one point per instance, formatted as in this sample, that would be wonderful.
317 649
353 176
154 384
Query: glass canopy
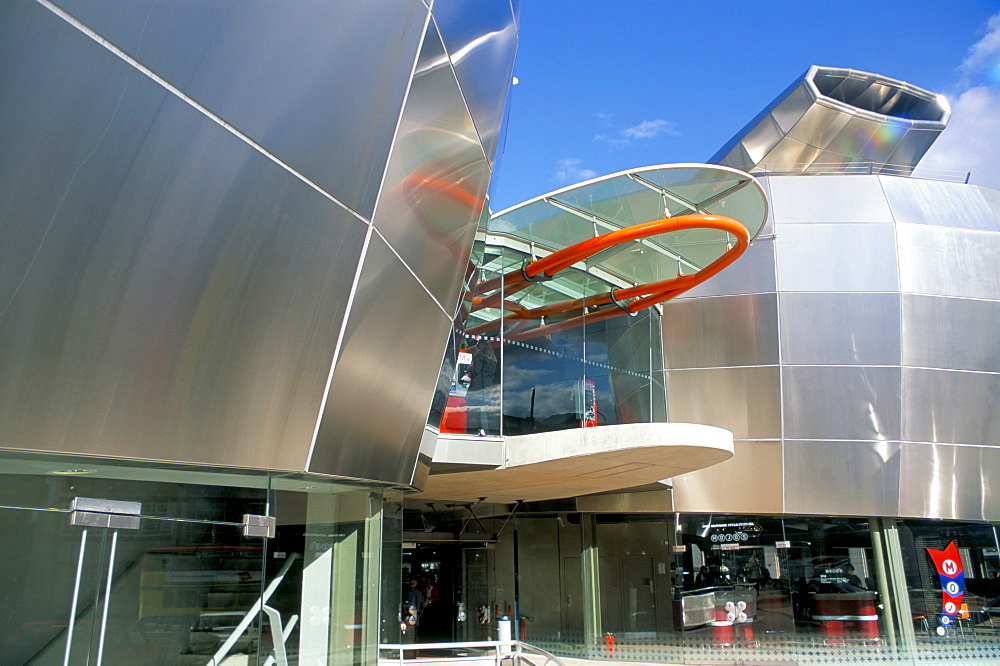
562 218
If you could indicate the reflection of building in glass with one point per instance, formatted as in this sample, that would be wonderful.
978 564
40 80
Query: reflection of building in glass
232 294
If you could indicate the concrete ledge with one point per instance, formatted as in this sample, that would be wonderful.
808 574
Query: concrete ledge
582 461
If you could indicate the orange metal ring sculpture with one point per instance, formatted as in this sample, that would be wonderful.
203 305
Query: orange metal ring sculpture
643 296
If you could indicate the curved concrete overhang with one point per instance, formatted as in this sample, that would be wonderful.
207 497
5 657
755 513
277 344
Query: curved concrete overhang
583 461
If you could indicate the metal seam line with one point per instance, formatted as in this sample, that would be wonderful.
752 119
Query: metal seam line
340 341
180 94
361 262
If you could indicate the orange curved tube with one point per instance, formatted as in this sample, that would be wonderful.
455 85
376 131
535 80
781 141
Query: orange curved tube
644 295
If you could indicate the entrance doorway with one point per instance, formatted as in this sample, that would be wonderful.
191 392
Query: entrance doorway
455 581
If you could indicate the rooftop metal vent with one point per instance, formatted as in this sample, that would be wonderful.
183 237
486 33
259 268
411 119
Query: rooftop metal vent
836 120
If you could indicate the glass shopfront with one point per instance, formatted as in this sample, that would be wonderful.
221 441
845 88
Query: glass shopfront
801 589
129 565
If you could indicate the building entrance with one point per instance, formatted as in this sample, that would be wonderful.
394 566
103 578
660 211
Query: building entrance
454 582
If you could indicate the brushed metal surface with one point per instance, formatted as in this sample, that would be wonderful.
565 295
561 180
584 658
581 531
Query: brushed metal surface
175 295
647 501
745 401
380 394
912 147
790 151
948 262
831 199
842 478
753 273
840 329
951 482
435 185
749 482
915 201
481 44
992 199
307 79
759 141
793 108
819 126
944 406
836 257
721 331
855 119
841 402
859 135
964 333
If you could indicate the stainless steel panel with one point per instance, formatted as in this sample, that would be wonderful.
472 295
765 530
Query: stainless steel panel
374 415
736 158
745 401
762 138
842 478
749 482
950 482
964 333
307 79
938 204
842 329
911 148
515 6
181 292
948 262
836 257
856 141
753 273
819 126
838 402
792 155
792 108
723 331
992 199
839 199
647 501
435 185
481 44
951 406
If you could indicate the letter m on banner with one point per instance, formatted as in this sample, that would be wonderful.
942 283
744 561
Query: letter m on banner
952 575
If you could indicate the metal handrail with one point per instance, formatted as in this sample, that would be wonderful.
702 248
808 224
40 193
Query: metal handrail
502 651
862 168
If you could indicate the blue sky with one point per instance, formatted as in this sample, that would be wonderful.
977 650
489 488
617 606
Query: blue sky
608 85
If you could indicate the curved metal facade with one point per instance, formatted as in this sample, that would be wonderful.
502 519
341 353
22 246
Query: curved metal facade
836 120
852 352
224 223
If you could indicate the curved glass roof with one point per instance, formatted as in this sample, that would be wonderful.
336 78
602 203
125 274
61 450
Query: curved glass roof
559 219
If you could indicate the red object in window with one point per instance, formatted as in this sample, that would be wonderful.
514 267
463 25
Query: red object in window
455 418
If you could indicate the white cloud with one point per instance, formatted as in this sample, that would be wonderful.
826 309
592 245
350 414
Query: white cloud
984 56
568 170
649 129
971 142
